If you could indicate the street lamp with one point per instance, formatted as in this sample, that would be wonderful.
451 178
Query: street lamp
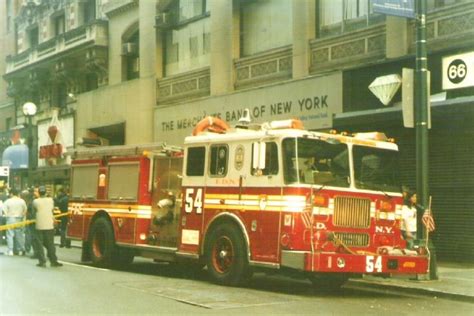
29 110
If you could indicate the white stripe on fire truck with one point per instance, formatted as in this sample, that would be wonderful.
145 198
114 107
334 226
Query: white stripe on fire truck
253 202
137 213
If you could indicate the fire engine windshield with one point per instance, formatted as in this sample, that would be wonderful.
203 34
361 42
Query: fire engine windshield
314 161
376 169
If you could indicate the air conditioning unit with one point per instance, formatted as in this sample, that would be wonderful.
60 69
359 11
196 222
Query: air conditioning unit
129 49
164 20
89 142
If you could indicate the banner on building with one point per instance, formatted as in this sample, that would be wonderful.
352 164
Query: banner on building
403 8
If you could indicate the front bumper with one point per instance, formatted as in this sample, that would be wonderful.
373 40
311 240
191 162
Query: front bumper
354 263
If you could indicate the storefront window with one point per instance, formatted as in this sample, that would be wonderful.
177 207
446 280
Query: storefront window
187 41
265 24
339 16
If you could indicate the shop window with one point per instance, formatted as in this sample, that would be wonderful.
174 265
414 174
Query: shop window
218 160
186 26
8 123
9 21
59 95
89 11
33 37
265 25
92 81
59 24
195 161
336 17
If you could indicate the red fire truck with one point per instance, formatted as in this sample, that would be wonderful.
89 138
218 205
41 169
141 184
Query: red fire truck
269 195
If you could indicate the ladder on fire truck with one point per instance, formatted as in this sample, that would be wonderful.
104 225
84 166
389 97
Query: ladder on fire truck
151 149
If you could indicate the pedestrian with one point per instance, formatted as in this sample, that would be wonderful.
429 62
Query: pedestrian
61 203
44 234
29 196
3 198
14 210
409 219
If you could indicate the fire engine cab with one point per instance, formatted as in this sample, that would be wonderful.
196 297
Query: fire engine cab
269 195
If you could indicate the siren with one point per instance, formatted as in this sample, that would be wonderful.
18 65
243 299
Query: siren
245 119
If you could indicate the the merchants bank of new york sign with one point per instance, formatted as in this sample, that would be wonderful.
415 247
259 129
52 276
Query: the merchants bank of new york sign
312 100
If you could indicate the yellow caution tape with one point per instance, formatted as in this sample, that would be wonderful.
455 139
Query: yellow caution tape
27 222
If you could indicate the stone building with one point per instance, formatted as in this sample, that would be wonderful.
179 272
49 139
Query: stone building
129 72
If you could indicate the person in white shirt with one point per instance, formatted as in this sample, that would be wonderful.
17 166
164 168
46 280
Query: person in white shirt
408 222
44 234
14 210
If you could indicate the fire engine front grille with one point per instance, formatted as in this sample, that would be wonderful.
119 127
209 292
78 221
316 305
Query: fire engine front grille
352 239
351 212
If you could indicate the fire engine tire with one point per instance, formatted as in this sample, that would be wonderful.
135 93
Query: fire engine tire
327 282
102 243
226 255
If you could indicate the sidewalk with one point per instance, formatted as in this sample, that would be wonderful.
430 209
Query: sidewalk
455 281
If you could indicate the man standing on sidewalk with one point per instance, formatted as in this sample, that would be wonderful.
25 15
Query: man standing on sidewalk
14 209
61 202
44 234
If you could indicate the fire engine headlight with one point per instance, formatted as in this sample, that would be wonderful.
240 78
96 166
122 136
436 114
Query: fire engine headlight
341 263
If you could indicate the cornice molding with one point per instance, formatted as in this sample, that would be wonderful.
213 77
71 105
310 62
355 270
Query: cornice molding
117 7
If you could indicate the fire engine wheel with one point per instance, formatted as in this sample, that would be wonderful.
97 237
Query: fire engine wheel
102 244
226 255
324 282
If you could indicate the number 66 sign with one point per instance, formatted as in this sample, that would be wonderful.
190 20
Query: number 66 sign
458 71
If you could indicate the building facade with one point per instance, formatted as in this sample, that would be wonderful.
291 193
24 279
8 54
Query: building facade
129 72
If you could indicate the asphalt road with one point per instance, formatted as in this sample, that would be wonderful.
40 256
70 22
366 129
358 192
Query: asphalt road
151 288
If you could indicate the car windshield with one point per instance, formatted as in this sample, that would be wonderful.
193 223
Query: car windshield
376 169
314 161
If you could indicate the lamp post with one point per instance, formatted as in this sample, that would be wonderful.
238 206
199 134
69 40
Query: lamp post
29 110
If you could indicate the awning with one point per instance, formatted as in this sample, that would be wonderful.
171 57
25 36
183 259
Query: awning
16 156
457 112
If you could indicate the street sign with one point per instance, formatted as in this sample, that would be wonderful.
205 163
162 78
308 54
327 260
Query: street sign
403 8
4 171
458 71
408 96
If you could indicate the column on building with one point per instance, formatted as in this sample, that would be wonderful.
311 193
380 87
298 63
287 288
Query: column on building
222 46
147 38
397 41
304 29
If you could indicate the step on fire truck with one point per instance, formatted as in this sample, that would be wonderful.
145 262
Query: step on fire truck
269 195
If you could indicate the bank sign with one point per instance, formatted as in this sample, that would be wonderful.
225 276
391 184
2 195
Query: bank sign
458 71
313 101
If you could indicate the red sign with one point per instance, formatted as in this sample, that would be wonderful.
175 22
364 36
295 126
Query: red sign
50 151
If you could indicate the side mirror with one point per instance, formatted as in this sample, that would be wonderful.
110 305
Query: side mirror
258 158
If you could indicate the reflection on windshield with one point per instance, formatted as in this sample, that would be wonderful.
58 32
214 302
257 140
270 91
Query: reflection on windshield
313 161
376 169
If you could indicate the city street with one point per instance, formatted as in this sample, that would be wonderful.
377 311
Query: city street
151 288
